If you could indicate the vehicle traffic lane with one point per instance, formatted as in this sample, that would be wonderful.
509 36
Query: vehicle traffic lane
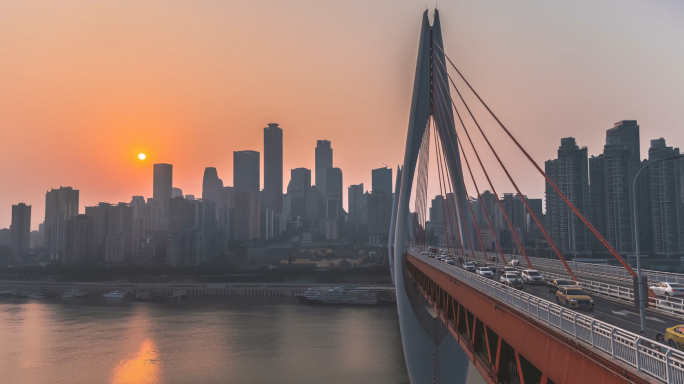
620 315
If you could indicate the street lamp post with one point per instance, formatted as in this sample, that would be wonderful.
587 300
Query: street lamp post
640 293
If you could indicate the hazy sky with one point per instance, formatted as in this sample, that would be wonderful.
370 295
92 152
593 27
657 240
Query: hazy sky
87 85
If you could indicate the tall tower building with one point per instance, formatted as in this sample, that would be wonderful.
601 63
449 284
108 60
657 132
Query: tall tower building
621 159
78 241
20 229
246 171
664 208
324 161
211 185
300 181
162 189
60 206
355 196
334 192
273 169
570 173
597 205
382 180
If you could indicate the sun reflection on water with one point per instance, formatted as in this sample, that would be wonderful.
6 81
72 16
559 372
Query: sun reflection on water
144 368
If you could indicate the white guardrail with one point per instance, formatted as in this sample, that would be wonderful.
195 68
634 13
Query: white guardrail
659 361
601 270
668 306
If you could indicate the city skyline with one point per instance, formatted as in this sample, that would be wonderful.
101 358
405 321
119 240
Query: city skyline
176 130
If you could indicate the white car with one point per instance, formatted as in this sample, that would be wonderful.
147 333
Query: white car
509 278
511 270
484 271
468 266
667 289
450 261
514 263
530 276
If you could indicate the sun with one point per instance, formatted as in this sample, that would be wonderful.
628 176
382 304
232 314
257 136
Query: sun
142 156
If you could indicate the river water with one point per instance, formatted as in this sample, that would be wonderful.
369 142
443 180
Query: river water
210 340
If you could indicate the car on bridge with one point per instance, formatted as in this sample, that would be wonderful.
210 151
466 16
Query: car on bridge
485 272
512 279
667 289
574 297
514 263
469 266
674 337
554 284
531 276
450 261
511 270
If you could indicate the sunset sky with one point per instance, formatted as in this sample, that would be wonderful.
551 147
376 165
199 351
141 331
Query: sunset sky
87 85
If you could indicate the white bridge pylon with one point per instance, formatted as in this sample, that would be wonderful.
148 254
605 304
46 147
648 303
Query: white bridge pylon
432 354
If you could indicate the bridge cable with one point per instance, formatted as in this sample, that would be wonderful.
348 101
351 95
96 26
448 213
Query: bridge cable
460 174
441 157
567 201
548 238
472 177
446 200
491 185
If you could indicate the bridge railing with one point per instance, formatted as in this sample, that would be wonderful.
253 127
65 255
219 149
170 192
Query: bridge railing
668 306
656 360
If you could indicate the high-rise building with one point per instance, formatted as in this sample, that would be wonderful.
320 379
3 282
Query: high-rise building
78 242
247 218
60 206
246 171
621 159
334 193
570 174
181 214
324 161
355 196
20 229
162 189
597 205
379 216
211 185
177 192
437 210
300 181
273 169
663 216
141 223
313 205
118 247
382 180
98 217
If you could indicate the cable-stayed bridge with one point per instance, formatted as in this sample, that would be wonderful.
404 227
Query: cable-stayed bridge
449 316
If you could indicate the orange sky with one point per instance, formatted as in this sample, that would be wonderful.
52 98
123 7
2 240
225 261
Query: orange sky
87 85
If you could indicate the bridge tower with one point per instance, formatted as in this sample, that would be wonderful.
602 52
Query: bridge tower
432 354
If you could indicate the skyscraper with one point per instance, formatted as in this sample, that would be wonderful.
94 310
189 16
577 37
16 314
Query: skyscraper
78 242
246 171
334 191
382 180
570 174
211 185
161 192
664 214
621 159
273 169
60 206
324 161
355 196
20 229
300 181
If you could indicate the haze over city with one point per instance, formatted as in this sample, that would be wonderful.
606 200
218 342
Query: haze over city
88 86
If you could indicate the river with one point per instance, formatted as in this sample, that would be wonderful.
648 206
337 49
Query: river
207 340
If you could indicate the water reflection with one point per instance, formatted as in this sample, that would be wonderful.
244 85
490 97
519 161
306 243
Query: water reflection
144 368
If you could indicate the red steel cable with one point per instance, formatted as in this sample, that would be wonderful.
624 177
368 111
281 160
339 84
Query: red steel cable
491 185
572 206
491 227
548 238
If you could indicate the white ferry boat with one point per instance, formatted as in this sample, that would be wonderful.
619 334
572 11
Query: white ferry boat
37 295
339 295
114 295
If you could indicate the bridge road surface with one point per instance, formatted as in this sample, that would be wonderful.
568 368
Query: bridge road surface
620 315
